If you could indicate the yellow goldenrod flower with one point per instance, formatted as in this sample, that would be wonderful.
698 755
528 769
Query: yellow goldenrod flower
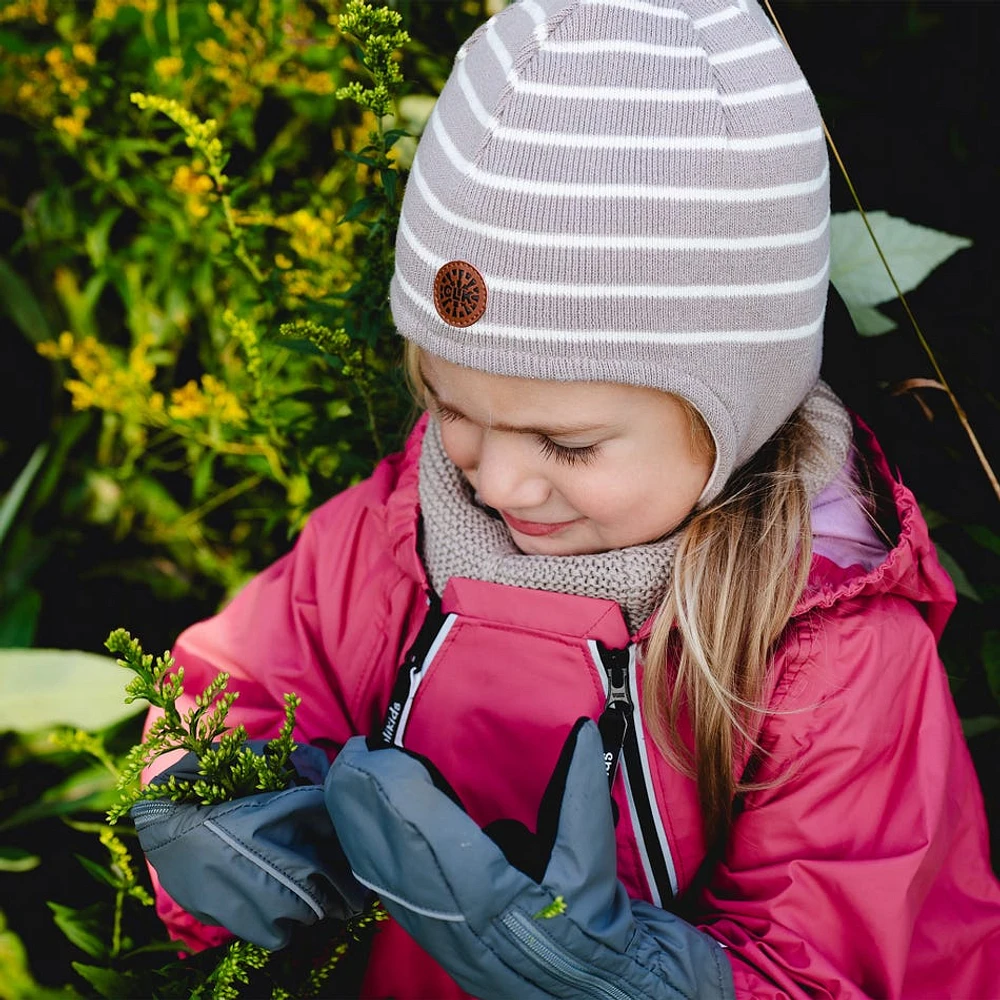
243 332
139 364
105 10
167 67
85 54
28 10
223 402
187 403
72 125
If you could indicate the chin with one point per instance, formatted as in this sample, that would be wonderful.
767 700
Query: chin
554 546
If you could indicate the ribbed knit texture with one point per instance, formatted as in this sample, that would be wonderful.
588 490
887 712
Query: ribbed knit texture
643 186
461 538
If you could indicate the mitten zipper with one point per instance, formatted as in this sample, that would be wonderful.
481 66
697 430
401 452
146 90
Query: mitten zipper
557 962
622 732
148 811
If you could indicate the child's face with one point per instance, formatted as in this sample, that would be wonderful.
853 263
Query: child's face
572 467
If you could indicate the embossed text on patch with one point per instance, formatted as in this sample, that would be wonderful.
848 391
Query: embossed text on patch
459 293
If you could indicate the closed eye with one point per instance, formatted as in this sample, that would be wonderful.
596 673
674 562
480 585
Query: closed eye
444 414
565 455
550 449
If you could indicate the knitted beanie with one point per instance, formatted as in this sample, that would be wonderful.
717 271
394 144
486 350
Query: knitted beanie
629 191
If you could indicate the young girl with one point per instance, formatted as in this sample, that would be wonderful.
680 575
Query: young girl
636 545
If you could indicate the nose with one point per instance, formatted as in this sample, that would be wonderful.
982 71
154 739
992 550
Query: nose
507 476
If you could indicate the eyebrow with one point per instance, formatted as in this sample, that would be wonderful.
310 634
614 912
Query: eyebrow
553 430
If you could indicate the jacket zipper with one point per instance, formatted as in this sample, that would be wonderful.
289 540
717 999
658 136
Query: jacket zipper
410 672
628 742
554 960
614 722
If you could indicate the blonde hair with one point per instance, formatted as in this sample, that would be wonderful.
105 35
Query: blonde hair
740 568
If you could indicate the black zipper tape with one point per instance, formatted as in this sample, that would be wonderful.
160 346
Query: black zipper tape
620 738
411 666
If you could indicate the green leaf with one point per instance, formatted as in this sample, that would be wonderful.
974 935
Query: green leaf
393 136
97 872
983 536
360 207
81 927
91 789
389 179
202 480
991 660
358 158
96 236
858 273
40 688
16 981
869 321
107 982
962 584
19 302
934 518
20 618
980 724
16 859
14 497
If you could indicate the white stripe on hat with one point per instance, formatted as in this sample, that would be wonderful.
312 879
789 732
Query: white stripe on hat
639 7
499 49
534 238
623 46
626 337
654 192
581 290
603 46
710 19
575 140
746 52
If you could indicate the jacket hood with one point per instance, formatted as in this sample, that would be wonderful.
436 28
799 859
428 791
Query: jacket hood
910 568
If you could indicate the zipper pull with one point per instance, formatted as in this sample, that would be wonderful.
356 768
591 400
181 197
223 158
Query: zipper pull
614 721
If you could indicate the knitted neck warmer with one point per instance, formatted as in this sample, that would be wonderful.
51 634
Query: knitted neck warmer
462 538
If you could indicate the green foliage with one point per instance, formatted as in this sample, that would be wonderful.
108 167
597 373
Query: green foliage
227 767
554 909
239 170
42 688
857 271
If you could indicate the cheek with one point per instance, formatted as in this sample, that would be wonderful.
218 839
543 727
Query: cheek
462 442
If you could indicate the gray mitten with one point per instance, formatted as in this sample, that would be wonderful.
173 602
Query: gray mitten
257 866
508 912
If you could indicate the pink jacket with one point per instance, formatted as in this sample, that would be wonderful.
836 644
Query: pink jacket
863 872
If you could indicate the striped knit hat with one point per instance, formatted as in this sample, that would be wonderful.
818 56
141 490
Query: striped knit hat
626 191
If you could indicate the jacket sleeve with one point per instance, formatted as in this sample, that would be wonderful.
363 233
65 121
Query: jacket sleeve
325 621
870 817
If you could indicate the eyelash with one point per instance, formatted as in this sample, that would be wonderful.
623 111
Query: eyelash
567 456
549 448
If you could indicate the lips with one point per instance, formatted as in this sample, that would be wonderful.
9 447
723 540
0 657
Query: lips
535 528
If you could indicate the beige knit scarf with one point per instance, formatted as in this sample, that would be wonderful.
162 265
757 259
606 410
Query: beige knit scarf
462 538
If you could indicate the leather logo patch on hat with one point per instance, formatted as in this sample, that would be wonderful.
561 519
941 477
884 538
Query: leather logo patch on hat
459 293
